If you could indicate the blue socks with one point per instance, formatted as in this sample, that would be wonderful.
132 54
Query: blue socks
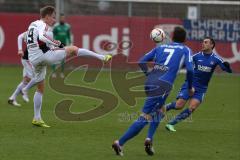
154 124
139 124
170 106
133 130
183 115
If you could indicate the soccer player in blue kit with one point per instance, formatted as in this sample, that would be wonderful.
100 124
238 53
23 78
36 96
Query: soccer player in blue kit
205 63
167 61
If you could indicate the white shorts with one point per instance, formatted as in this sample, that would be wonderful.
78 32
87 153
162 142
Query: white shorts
27 68
49 58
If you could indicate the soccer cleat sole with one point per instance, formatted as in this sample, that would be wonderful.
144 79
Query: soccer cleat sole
13 103
169 129
117 149
148 148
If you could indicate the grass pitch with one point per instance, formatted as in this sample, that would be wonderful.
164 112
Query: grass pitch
213 132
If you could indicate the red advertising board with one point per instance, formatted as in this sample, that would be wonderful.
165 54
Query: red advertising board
128 36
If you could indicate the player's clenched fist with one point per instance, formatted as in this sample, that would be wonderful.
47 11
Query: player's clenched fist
20 53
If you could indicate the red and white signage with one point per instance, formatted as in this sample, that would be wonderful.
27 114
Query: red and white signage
106 34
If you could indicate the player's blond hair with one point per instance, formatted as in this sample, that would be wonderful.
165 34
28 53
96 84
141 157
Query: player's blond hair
47 10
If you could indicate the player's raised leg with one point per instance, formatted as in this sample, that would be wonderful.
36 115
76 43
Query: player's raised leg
179 104
27 75
182 98
193 104
12 99
75 51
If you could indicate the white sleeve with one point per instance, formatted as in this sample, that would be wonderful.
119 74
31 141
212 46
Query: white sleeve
50 34
20 40
42 29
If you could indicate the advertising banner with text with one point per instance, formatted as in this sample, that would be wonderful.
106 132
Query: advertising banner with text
127 36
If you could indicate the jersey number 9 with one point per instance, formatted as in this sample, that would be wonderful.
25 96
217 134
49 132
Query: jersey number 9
30 36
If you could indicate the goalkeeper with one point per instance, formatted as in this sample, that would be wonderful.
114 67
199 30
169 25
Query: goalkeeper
61 32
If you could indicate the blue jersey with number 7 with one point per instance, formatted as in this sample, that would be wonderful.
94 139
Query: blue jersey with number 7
172 56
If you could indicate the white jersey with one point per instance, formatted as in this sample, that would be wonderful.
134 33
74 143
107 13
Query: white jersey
36 37
23 37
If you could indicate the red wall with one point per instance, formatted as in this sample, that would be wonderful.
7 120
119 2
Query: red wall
99 30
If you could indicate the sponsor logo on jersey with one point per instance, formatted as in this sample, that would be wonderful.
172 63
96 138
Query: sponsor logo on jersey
204 68
160 67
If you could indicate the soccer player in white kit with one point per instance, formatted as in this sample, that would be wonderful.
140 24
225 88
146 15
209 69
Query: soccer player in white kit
40 56
27 69
27 72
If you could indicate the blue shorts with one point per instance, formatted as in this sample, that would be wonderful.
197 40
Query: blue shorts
183 93
157 91
153 104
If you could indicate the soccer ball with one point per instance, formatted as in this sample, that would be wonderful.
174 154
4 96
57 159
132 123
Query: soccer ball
157 35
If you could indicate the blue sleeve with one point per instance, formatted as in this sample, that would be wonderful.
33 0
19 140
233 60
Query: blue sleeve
146 58
225 66
194 57
189 67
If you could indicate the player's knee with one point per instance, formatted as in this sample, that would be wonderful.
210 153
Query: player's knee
26 80
192 108
71 50
74 50
40 89
193 104
180 104
148 117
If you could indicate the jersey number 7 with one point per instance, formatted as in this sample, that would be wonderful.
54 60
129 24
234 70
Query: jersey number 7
170 53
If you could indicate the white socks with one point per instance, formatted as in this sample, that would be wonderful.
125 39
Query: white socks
30 85
37 105
17 91
85 52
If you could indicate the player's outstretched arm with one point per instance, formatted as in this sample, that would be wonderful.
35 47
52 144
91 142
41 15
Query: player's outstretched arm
226 67
20 42
143 61
45 38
